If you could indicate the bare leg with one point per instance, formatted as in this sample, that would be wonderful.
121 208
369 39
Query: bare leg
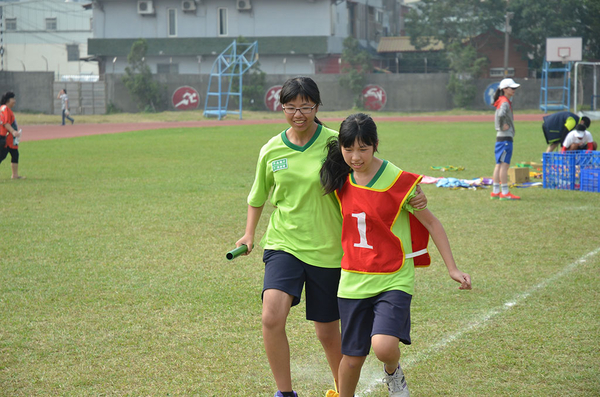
387 350
276 307
331 339
350 374
503 173
15 171
496 175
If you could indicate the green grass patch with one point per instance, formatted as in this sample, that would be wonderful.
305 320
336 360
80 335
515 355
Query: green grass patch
113 279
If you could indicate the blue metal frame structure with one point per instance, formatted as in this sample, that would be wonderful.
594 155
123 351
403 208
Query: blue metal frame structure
565 96
228 66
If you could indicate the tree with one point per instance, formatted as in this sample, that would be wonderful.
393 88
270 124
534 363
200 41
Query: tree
138 79
465 67
536 20
253 81
357 62
454 22
451 21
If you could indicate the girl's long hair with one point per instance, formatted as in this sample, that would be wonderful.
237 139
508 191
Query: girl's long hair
357 127
6 97
498 94
302 86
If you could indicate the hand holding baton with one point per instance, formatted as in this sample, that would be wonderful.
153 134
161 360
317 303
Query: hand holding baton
234 253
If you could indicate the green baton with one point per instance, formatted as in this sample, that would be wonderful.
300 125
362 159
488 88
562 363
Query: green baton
234 253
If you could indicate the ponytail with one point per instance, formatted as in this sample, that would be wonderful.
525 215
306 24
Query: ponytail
334 170
498 94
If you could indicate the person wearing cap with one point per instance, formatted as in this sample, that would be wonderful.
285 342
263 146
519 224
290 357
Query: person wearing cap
505 133
557 126
579 139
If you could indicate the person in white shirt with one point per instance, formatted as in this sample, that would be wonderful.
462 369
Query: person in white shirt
64 99
579 139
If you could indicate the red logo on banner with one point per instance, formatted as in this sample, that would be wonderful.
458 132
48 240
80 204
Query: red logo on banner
185 98
374 97
272 98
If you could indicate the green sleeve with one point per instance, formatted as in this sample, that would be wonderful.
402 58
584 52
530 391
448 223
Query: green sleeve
410 196
263 182
570 123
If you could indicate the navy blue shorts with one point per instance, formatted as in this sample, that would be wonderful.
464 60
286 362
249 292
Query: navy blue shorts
14 154
285 272
385 314
504 151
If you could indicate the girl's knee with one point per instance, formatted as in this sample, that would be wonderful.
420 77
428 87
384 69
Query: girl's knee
353 362
386 348
272 320
328 332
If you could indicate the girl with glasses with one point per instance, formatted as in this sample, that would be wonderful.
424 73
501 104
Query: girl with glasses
302 248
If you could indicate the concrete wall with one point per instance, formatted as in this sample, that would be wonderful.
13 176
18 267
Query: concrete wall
84 97
405 92
36 91
33 90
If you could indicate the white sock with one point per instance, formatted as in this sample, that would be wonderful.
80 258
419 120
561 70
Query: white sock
496 188
504 188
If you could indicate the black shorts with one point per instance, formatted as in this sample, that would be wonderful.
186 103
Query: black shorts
285 272
14 154
553 136
385 314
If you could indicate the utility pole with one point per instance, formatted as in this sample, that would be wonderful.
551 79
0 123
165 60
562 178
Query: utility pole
507 30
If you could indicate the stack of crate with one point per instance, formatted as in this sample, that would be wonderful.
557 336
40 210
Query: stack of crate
572 170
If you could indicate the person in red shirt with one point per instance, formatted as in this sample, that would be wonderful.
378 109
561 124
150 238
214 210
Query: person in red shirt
8 134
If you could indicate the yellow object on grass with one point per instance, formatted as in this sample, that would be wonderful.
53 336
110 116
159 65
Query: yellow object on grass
444 168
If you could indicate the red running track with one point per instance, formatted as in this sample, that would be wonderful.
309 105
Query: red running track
42 132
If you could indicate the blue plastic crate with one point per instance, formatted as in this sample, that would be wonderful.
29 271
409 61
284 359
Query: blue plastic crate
590 180
562 170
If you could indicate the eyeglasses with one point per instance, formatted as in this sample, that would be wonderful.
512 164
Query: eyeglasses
303 110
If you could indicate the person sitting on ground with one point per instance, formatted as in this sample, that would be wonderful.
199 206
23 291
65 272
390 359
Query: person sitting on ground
579 139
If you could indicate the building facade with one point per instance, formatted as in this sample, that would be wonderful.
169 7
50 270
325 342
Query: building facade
186 36
46 35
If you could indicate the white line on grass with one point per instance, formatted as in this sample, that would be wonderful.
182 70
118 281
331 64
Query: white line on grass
479 322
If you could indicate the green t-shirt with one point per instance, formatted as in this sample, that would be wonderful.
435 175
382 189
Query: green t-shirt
305 223
362 285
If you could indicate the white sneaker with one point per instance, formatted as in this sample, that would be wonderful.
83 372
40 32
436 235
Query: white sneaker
396 383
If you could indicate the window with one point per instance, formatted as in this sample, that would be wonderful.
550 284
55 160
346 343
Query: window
222 22
72 52
172 15
50 23
167 68
11 24
499 72
91 24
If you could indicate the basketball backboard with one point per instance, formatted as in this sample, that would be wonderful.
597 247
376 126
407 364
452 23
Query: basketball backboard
563 49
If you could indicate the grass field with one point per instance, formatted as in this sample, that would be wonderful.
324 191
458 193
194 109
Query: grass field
113 278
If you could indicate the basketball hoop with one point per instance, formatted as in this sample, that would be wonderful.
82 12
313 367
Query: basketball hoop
563 49
564 53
